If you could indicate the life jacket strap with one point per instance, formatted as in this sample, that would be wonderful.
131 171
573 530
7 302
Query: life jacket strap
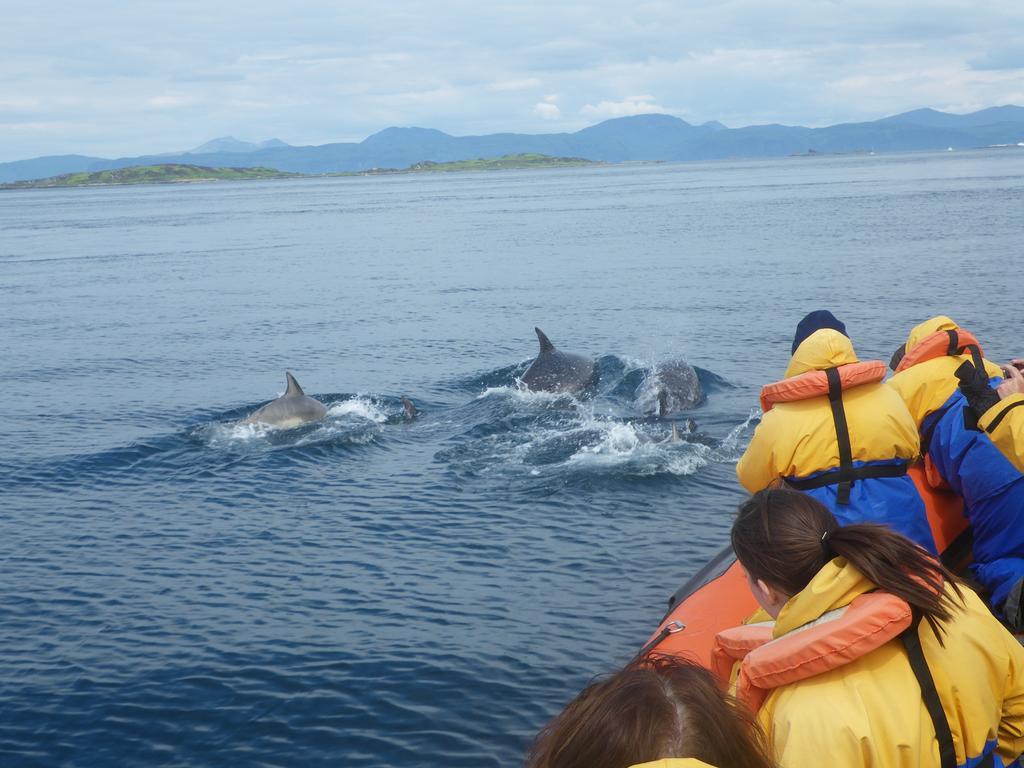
930 696
1002 415
928 432
970 420
956 348
833 476
954 343
835 398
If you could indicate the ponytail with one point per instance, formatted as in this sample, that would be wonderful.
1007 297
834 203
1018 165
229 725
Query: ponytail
784 537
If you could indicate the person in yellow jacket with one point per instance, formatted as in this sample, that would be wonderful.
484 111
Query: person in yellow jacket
660 713
878 657
937 358
999 411
832 429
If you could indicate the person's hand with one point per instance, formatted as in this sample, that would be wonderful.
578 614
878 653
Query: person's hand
1013 384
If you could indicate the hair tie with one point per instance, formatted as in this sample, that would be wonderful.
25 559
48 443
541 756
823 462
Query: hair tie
826 549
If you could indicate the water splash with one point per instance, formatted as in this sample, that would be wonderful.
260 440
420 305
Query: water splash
519 399
355 420
359 407
735 443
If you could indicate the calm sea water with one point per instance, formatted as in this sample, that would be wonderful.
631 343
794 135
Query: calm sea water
179 590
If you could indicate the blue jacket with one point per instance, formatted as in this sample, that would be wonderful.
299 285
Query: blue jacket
993 492
969 462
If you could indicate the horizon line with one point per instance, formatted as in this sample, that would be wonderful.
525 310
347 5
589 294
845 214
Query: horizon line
540 133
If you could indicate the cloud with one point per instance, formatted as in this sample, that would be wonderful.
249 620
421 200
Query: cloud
339 71
547 111
631 105
1006 55
943 86
514 85
170 101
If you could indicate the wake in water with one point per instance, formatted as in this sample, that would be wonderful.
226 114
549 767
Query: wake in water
222 439
508 429
350 419
504 429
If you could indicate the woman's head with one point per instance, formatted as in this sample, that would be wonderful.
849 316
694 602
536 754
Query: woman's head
783 537
662 708
777 537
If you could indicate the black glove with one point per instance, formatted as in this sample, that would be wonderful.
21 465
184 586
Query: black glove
974 384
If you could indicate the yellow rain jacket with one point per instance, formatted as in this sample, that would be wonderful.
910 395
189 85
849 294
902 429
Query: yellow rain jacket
985 472
797 439
869 711
927 386
675 762
1004 424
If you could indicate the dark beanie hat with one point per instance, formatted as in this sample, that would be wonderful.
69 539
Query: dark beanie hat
815 321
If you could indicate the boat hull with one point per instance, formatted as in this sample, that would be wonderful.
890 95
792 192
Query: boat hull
718 597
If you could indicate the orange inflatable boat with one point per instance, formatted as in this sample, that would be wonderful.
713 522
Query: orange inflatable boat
717 597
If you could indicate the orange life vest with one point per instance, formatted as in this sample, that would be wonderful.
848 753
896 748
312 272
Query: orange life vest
815 383
940 344
832 382
835 639
934 345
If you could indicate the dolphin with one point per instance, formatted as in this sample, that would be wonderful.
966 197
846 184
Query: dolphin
411 412
291 409
676 436
678 387
554 371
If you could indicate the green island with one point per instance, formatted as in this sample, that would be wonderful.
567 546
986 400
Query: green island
177 173
170 173
503 163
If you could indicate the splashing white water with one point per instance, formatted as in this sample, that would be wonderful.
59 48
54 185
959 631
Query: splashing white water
358 407
691 461
619 440
625 447
236 432
528 396
355 420
735 443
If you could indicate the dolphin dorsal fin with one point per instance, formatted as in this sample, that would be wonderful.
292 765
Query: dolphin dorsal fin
675 434
293 386
545 342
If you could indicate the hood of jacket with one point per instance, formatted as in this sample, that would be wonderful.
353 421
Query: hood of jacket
932 325
834 586
823 349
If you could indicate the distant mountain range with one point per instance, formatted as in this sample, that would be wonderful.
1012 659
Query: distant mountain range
643 137
229 144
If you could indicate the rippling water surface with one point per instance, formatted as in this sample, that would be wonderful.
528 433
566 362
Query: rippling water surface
181 590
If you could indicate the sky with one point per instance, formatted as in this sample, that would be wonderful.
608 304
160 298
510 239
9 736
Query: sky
111 79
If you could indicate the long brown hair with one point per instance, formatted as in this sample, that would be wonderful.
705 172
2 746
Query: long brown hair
660 708
784 537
